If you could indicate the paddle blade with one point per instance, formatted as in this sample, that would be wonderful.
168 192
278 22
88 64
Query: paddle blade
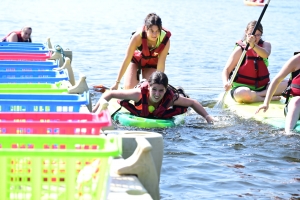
100 88
220 104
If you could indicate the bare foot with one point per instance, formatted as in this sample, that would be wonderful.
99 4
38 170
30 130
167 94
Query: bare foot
275 98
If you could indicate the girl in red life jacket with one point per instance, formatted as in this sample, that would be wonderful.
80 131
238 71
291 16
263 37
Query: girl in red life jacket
146 52
251 81
292 65
158 84
19 36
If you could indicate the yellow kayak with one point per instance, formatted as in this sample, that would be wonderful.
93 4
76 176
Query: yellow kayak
273 116
251 3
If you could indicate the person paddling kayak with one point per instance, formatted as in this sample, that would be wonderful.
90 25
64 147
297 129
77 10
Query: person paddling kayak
252 79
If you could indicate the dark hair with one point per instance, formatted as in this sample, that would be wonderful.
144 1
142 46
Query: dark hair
153 19
158 77
251 25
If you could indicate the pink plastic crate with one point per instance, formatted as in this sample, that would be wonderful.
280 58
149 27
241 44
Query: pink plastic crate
25 56
53 123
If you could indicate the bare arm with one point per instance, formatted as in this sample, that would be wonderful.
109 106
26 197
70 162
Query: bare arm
230 65
162 58
291 65
132 94
12 38
263 51
134 43
187 102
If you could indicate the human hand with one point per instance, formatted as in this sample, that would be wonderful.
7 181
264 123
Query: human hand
251 40
102 104
209 119
263 107
115 86
227 86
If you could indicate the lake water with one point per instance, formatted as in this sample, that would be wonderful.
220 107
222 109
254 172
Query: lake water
233 159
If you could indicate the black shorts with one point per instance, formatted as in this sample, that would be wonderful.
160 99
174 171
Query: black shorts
232 91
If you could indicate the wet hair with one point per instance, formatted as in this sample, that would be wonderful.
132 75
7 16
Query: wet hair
158 77
153 19
251 25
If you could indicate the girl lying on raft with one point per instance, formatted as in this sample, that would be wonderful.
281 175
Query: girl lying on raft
153 99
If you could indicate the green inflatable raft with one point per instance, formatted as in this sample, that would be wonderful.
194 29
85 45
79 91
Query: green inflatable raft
124 118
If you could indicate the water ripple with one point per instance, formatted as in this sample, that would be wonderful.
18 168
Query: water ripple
234 158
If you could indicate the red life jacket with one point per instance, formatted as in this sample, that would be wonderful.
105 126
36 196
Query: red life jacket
146 58
294 82
20 39
295 85
162 111
253 70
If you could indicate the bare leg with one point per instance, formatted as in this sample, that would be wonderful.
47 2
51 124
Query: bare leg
147 72
245 95
292 115
281 87
130 76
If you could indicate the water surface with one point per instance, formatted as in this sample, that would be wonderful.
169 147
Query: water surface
233 159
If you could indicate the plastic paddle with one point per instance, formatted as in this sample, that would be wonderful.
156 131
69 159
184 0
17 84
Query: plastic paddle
100 88
220 103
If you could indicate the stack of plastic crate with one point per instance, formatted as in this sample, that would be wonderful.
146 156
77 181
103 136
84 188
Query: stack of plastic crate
24 78
24 51
48 149
55 156
27 63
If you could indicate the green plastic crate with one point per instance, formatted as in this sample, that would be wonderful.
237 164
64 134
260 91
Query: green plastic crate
59 167
32 88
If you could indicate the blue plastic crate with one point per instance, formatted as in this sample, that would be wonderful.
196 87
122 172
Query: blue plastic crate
27 47
20 67
43 102
33 76
23 50
22 44
54 63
